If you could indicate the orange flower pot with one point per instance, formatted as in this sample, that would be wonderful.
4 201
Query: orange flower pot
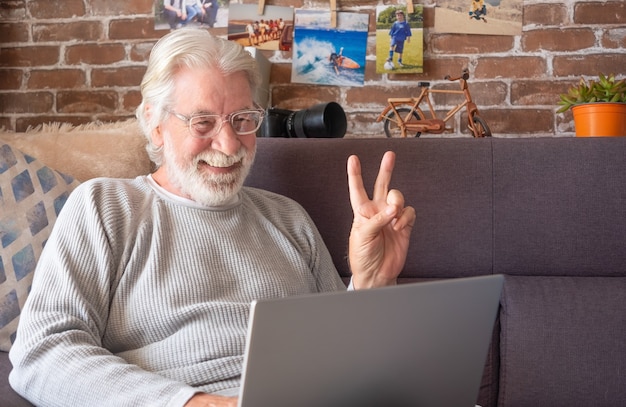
600 119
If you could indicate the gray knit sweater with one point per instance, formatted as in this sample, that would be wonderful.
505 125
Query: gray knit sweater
140 299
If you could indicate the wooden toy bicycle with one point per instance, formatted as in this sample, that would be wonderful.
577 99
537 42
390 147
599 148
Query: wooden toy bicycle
402 120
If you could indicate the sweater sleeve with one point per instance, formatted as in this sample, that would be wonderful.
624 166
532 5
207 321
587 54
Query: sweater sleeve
58 356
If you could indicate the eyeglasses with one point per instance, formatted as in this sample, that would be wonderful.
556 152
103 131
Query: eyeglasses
203 125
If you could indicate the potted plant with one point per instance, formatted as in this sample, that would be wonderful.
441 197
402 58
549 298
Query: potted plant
598 106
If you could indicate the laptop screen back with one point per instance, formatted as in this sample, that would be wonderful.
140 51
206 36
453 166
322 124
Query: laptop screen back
421 344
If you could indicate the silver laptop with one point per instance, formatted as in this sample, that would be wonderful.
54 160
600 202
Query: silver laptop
419 344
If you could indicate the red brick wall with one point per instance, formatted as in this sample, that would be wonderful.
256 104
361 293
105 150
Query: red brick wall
82 60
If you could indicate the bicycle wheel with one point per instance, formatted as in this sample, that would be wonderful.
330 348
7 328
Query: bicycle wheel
482 130
392 130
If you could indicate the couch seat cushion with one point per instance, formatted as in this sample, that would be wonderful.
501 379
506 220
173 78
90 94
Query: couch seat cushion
563 341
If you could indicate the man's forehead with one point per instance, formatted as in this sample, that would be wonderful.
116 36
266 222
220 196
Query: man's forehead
206 87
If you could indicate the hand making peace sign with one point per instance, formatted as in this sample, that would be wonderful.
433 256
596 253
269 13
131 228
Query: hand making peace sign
379 239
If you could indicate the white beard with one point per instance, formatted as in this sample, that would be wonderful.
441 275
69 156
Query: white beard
205 188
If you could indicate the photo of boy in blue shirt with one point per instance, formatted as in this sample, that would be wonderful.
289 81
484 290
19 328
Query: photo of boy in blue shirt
400 32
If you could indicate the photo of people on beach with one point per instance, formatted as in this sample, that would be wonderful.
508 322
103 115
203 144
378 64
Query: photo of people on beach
326 55
272 30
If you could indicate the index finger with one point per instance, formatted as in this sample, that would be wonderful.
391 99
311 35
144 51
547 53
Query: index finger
358 195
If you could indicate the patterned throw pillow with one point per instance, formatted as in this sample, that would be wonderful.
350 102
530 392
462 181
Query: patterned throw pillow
31 196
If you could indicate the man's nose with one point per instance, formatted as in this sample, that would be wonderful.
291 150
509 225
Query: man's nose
226 140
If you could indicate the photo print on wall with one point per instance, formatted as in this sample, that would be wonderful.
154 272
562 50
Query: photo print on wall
399 39
272 30
325 55
488 17
174 14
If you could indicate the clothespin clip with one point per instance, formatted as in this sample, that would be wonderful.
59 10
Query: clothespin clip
409 8
333 13
261 10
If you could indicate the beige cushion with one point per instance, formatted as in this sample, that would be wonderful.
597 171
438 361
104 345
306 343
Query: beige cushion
87 151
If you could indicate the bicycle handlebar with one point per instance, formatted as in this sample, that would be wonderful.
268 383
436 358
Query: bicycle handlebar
464 75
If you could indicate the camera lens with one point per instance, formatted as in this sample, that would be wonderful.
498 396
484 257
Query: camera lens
325 120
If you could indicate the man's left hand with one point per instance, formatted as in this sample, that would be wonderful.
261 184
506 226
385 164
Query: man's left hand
381 229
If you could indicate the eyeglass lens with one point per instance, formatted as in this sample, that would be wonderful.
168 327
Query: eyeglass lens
245 122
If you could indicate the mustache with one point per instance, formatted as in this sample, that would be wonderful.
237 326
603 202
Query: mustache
219 159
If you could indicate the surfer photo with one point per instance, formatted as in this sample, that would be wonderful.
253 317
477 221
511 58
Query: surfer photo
326 55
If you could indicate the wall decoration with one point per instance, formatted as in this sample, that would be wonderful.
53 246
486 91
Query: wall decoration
399 39
272 30
493 17
173 14
324 55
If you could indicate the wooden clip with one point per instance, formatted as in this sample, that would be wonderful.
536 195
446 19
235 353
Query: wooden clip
333 13
409 8
261 10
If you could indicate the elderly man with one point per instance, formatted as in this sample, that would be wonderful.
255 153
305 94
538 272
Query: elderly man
142 294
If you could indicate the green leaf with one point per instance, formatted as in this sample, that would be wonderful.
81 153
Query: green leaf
605 88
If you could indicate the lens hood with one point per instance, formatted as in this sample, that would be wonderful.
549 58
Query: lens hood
324 120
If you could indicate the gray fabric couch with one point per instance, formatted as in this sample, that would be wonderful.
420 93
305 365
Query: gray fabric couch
549 213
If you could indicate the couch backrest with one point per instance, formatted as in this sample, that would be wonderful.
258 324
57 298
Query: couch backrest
545 206
447 181
560 206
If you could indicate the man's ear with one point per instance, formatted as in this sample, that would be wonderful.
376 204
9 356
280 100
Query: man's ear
157 135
